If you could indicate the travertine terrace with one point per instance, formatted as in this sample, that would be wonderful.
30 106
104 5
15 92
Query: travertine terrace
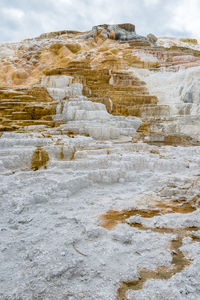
100 166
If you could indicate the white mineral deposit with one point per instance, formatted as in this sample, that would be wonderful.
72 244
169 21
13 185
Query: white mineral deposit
100 167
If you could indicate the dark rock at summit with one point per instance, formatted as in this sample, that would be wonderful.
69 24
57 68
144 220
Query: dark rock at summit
121 32
127 26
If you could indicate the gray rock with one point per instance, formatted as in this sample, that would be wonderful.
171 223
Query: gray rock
188 98
127 26
152 38
193 93
121 32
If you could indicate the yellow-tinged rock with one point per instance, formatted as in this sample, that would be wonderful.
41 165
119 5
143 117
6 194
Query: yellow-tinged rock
39 159
187 40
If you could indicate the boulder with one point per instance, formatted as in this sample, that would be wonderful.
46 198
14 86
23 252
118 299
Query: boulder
121 32
152 38
127 26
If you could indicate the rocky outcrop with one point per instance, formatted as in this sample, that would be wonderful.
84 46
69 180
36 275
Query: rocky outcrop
152 38
120 74
84 116
25 106
121 32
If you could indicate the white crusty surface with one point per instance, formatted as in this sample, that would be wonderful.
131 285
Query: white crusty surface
54 244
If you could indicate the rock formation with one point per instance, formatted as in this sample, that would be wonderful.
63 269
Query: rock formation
121 32
99 166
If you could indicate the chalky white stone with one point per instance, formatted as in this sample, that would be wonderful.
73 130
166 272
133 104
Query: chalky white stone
179 98
84 116
52 244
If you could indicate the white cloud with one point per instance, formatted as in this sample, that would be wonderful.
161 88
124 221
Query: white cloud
186 17
13 13
29 18
151 2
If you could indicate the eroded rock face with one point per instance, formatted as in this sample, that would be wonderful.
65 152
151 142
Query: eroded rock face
121 32
127 26
84 116
152 38
101 67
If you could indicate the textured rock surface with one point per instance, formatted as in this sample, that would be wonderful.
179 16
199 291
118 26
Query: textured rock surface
122 32
99 166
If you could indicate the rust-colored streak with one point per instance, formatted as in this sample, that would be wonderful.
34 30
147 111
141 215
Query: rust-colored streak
112 217
39 159
62 152
73 154
179 261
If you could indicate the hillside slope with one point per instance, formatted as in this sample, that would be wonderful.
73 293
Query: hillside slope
99 166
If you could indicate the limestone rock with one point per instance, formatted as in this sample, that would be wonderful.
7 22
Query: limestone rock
187 40
122 32
152 38
99 166
127 26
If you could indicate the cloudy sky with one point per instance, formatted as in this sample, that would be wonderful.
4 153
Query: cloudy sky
20 19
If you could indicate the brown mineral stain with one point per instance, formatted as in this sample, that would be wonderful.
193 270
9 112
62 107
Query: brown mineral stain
176 207
39 159
179 261
61 152
73 154
112 217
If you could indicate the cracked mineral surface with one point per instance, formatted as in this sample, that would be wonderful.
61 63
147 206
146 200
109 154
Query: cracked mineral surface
100 166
